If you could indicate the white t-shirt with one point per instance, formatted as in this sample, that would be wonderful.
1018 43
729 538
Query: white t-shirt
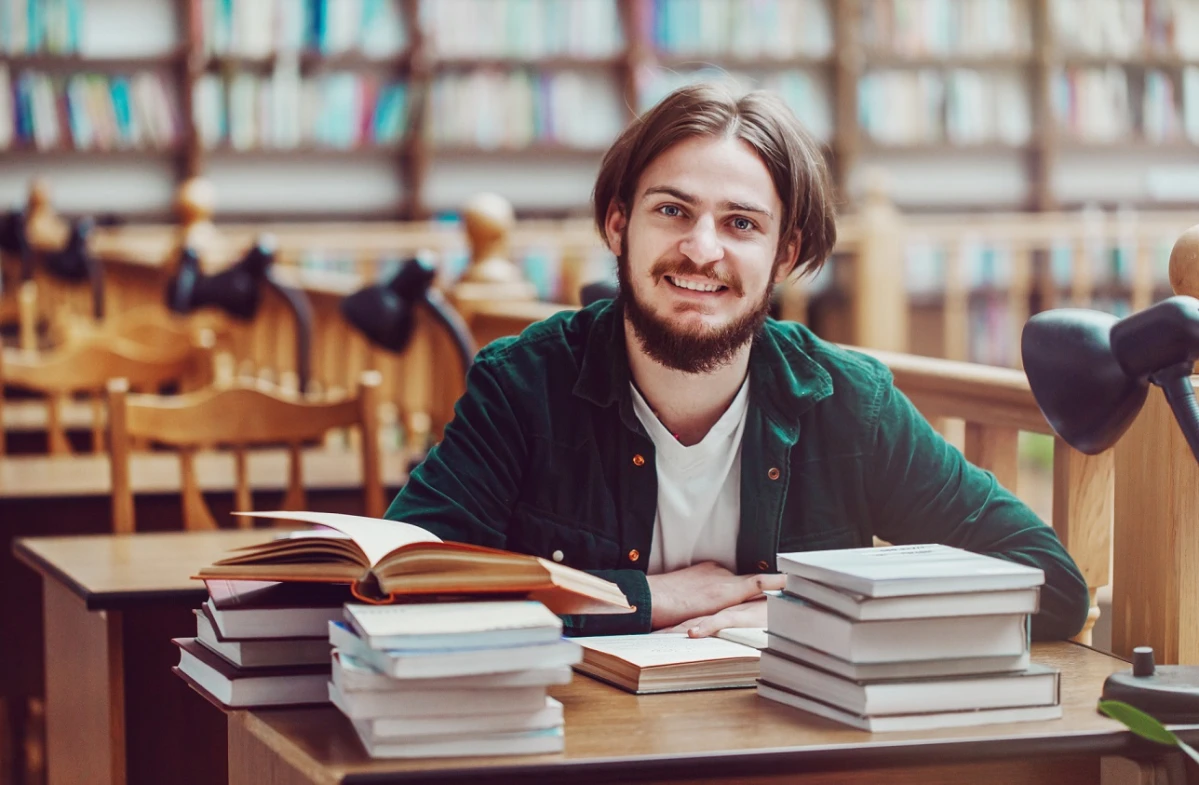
699 490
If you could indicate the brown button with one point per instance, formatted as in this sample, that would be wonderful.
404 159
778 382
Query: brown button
638 460
762 565
634 554
773 473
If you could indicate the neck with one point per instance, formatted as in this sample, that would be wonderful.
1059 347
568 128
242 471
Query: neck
688 404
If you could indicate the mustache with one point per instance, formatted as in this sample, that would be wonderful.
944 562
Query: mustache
685 266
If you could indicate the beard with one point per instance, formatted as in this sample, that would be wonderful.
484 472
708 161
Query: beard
679 348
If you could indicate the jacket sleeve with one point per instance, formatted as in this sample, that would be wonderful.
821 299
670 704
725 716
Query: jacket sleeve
467 486
921 489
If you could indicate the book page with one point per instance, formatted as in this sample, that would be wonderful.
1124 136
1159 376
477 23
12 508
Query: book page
376 537
647 651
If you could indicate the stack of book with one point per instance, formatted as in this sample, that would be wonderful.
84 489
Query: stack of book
453 678
431 648
906 638
261 643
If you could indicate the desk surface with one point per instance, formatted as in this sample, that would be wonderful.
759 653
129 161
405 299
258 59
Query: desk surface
610 733
120 570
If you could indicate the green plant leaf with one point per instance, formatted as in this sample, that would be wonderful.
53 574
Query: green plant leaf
1145 726
1138 722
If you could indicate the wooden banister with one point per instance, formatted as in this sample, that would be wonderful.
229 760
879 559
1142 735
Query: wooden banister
1155 598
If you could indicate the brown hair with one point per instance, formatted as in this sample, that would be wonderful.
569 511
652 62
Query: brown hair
760 119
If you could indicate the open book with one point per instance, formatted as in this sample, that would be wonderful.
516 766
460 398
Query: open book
384 560
673 662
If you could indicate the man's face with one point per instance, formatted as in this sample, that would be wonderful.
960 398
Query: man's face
698 252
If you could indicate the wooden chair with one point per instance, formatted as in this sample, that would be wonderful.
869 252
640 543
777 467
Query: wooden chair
87 366
237 417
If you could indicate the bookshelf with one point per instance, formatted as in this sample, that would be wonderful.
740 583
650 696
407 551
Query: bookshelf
967 104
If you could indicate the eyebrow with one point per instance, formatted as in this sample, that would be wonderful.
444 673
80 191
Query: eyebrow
686 198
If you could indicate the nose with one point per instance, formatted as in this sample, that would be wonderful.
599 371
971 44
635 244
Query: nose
702 245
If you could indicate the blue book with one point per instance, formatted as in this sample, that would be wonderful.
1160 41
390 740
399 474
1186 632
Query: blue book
118 88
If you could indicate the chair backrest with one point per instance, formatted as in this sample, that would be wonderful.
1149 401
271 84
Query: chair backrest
238 418
86 366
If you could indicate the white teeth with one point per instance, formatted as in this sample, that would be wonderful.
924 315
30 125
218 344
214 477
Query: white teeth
695 287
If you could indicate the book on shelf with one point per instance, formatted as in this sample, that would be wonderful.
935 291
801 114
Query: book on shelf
386 561
232 687
905 570
668 662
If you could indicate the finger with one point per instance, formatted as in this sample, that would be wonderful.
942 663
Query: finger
752 586
709 626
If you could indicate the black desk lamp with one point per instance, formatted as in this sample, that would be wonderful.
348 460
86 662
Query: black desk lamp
75 263
237 290
1090 374
385 313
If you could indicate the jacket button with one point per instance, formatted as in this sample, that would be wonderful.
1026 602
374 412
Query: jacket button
557 556
762 565
773 473
634 554
638 460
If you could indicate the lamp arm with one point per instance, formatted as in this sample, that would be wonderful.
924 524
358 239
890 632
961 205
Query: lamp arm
301 309
95 274
452 321
1175 382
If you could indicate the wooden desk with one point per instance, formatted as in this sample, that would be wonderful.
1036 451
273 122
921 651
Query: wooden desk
114 711
716 736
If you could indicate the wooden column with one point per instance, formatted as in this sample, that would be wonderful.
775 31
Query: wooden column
1155 599
879 296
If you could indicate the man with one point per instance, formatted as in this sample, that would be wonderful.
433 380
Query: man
675 440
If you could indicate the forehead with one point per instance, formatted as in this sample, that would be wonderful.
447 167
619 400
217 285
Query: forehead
712 169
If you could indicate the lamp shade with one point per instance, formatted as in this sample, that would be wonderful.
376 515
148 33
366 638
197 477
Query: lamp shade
1080 385
384 312
236 290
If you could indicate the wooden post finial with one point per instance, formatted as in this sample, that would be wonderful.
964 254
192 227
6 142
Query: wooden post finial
489 220
1184 263
43 227
195 202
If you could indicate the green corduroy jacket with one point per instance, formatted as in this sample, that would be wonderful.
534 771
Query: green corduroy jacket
545 454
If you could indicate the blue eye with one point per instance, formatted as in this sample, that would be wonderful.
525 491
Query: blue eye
743 224
670 210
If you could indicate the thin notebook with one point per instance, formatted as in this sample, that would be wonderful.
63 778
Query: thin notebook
384 561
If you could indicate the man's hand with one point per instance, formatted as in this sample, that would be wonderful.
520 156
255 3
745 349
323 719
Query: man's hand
704 590
747 614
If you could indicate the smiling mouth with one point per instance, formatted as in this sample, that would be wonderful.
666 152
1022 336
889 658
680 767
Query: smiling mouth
709 287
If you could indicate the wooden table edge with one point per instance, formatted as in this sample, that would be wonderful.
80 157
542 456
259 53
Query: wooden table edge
96 601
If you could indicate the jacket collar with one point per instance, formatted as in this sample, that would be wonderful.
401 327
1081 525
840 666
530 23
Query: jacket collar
784 380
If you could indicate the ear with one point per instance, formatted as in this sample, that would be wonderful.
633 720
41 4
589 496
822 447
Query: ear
789 260
614 224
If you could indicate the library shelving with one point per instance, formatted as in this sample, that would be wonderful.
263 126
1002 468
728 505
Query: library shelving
969 104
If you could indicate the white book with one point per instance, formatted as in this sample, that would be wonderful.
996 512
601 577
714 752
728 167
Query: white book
353 674
272 622
437 663
475 744
453 625
896 640
916 606
401 729
262 652
1036 686
904 570
909 722
869 671
415 704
